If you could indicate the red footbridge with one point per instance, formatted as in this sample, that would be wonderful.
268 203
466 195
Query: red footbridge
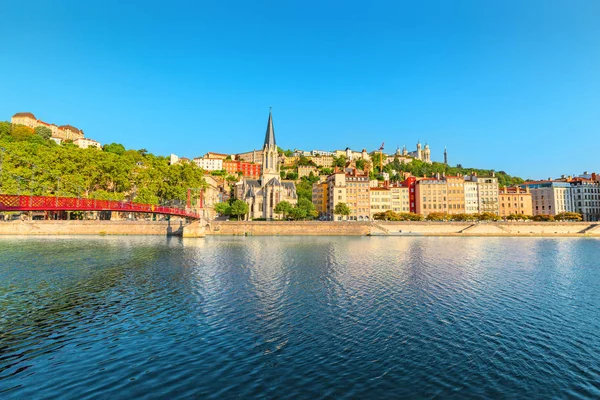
9 202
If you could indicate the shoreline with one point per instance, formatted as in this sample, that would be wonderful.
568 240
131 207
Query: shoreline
301 228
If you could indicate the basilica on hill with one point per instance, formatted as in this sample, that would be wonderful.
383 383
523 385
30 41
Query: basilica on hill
262 195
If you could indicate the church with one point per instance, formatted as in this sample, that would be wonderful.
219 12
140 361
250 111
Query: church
262 195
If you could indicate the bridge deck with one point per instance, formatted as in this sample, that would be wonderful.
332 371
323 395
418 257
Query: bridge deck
9 202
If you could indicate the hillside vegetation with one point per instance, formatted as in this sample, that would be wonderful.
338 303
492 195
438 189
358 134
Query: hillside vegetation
31 162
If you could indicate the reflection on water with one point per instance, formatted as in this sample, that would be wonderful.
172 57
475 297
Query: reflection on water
299 317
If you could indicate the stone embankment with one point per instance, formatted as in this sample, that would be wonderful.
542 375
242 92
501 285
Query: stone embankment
91 227
301 228
383 228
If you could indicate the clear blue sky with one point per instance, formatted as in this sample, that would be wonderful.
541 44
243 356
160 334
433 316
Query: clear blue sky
512 85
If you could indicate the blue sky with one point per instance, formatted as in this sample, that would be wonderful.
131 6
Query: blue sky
509 85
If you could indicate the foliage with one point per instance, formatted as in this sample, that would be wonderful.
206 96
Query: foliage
487 216
291 176
360 164
463 217
308 207
239 208
304 187
341 209
305 161
436 216
287 153
115 148
394 216
297 213
45 168
283 207
43 131
223 208
543 218
339 161
568 216
420 168
326 171
21 132
518 217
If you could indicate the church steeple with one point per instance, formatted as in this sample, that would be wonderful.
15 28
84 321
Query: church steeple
270 157
270 135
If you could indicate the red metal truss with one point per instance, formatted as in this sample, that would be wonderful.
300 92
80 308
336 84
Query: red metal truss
9 202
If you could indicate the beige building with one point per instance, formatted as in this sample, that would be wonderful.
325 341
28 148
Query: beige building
550 197
322 161
400 199
515 200
305 170
85 143
254 156
487 193
471 197
443 194
380 199
63 132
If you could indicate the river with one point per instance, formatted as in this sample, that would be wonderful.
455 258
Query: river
299 317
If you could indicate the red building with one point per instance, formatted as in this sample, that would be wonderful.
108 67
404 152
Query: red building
410 182
249 170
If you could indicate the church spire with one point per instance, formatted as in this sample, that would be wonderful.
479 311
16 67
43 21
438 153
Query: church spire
270 135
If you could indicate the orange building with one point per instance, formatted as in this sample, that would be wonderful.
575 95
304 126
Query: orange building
445 194
515 200
249 170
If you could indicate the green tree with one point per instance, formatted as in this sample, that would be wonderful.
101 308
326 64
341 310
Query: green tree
115 148
339 161
360 164
568 216
326 171
308 207
436 216
21 132
341 209
239 208
297 213
283 207
43 131
223 208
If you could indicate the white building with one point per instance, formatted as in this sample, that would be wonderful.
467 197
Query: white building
586 198
487 193
85 143
471 198
321 153
173 159
209 164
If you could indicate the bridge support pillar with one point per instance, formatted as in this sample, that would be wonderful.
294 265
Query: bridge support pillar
195 230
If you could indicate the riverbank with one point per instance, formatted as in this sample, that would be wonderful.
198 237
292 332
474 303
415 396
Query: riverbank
386 228
300 228
165 228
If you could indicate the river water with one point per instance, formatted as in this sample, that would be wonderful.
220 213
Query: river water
299 317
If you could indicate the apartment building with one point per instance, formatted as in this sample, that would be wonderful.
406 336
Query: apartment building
514 200
443 194
487 192
306 170
349 187
248 170
471 197
380 200
320 197
586 197
85 143
209 164
550 197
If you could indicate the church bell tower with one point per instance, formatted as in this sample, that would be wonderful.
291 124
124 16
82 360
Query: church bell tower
270 157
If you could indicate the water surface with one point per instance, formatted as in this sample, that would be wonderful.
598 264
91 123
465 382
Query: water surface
299 317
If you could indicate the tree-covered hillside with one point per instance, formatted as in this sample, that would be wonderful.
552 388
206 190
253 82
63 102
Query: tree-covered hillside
31 162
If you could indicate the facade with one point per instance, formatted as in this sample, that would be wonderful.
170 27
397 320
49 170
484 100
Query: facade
487 193
321 153
209 164
410 183
219 156
357 195
323 161
63 132
380 200
400 199
443 194
262 195
249 170
471 197
85 143
336 193
319 197
586 197
515 200
550 197
305 170
423 154
254 156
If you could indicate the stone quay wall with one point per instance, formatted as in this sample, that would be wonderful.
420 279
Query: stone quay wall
91 227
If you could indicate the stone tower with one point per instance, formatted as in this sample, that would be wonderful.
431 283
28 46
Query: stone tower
445 156
427 154
270 157
419 155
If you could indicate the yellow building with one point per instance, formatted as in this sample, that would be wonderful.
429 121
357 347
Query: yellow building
515 201
319 197
443 194
400 199
380 199
358 196
322 161
63 132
